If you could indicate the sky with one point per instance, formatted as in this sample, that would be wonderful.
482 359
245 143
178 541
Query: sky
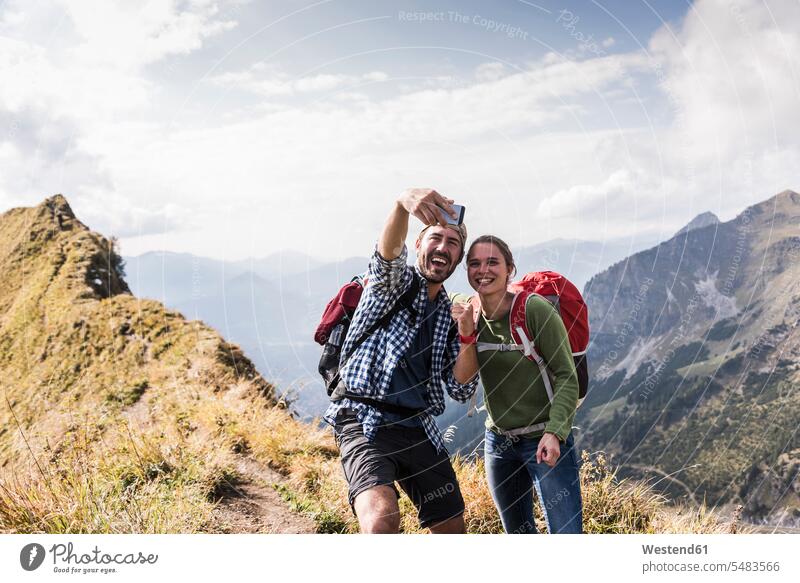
238 129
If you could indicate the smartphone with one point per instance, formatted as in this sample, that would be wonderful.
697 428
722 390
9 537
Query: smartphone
459 211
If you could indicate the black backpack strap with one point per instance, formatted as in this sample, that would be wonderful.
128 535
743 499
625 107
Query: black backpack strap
404 301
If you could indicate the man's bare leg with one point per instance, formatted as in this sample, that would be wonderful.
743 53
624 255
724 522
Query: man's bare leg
377 511
453 526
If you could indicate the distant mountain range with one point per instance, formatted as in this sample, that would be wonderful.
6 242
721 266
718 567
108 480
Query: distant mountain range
271 305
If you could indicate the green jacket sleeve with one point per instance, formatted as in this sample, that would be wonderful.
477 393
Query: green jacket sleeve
552 343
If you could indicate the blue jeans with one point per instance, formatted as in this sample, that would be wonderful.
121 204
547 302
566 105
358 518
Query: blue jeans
512 470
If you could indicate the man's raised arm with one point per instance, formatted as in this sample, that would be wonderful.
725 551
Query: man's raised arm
424 203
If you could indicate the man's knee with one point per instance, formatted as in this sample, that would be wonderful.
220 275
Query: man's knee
377 510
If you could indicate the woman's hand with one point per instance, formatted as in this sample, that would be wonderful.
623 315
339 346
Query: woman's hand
464 316
549 450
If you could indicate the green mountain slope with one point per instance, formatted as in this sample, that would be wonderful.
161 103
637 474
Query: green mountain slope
695 356
118 415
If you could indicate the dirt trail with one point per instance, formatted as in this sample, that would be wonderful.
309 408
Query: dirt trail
248 505
251 504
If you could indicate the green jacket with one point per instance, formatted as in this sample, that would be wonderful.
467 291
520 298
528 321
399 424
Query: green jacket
514 392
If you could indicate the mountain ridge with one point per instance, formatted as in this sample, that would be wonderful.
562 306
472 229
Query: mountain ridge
694 341
98 422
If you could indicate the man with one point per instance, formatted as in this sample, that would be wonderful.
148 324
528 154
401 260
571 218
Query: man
386 432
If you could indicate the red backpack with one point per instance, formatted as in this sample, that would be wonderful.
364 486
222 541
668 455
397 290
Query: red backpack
566 298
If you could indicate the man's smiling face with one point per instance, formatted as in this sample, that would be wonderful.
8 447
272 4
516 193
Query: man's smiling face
438 253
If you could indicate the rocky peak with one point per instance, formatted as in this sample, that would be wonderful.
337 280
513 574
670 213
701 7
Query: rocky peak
788 202
55 214
785 204
82 263
702 220
58 205
789 194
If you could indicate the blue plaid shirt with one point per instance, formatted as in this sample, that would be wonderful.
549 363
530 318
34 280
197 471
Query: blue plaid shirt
369 371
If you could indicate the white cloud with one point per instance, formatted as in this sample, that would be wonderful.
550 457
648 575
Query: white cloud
291 165
730 75
490 71
128 35
122 218
268 81
551 148
733 74
570 202
70 73
85 60
35 80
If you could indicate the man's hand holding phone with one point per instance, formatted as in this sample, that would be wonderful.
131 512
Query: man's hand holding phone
430 207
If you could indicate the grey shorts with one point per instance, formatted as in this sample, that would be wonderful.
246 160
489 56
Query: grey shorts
404 455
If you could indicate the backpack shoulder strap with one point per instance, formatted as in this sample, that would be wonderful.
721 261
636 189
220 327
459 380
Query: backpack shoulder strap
407 299
518 320
404 301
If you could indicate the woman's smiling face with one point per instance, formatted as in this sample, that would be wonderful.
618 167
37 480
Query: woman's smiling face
487 270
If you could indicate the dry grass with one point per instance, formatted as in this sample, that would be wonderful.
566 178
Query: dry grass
625 506
610 505
143 484
165 479
114 411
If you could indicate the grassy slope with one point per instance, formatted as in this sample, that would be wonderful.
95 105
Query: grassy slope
121 416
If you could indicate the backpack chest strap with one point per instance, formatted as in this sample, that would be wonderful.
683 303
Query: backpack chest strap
484 346
529 350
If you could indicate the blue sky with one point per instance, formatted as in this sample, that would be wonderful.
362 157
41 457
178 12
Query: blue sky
365 26
235 129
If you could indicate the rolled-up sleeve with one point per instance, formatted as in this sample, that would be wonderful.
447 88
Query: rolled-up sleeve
389 276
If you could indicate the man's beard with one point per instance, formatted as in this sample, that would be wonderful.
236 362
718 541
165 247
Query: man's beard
427 273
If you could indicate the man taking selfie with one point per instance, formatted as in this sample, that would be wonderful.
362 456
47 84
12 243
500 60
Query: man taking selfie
392 385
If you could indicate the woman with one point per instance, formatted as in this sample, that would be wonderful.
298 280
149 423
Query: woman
528 437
